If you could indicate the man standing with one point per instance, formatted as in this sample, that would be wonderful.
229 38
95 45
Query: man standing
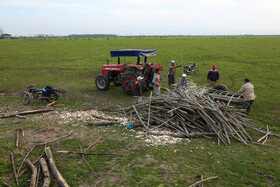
182 82
213 76
171 72
248 94
156 82
138 86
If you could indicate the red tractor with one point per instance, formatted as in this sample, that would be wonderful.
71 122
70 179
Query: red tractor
126 75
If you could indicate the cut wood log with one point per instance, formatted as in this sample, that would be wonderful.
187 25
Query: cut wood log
26 112
51 104
34 172
38 175
191 135
54 169
104 117
45 169
103 123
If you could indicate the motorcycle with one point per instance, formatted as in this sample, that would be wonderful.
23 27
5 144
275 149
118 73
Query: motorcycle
49 94
191 68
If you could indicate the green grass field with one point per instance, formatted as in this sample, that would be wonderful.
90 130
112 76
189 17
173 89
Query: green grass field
72 64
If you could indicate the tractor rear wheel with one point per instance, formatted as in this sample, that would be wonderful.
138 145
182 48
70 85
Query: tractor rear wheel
220 87
128 82
102 82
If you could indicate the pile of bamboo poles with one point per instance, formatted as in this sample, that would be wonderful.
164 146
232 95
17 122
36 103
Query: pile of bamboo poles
192 113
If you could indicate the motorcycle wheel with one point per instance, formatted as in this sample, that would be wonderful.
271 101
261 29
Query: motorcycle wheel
25 98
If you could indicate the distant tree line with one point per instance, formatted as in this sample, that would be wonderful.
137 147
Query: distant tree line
91 35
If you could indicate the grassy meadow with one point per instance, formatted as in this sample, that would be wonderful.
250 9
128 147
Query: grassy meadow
72 65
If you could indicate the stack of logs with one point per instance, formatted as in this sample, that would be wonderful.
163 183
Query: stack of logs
192 113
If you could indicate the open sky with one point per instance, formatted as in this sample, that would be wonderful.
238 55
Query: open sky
140 17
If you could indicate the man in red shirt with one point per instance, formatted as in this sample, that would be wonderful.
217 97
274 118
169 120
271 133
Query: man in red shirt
213 76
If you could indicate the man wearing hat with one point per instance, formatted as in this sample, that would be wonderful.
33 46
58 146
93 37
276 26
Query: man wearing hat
138 86
248 94
182 82
171 72
213 76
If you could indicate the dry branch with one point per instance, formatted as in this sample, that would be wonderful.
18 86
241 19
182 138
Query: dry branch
14 168
34 172
31 149
93 145
81 153
201 181
34 161
54 169
54 140
10 123
81 149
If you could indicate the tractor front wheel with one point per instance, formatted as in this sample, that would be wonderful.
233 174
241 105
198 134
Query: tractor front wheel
102 82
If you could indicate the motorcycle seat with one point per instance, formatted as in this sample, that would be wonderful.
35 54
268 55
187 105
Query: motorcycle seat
35 90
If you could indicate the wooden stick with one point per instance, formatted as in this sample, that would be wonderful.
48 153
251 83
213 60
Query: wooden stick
34 173
149 113
45 169
201 181
139 116
54 169
54 140
93 145
14 168
191 135
22 132
31 149
17 138
10 123
80 153
20 117
81 149
51 104
6 184
34 161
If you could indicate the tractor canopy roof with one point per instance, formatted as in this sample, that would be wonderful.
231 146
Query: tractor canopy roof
134 52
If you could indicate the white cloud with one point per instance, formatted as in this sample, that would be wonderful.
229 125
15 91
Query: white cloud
143 16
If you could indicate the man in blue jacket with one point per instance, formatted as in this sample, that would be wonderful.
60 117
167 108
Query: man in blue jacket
213 76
